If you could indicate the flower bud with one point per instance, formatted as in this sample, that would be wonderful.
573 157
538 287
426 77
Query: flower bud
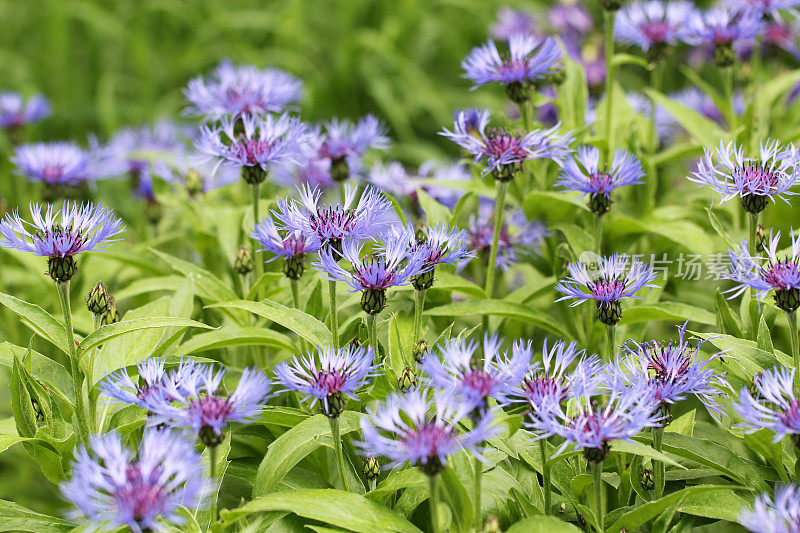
609 313
373 301
492 525
210 438
407 379
762 243
97 302
62 269
193 183
647 480
600 204
253 175
293 266
787 299
371 468
243 264
518 92
755 203
424 281
610 5
153 211
111 316
340 171
333 405
595 455
420 348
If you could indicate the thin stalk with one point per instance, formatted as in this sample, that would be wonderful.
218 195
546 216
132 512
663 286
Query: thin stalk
342 192
477 493
599 512
545 477
656 78
434 503
419 305
372 333
727 87
524 113
598 234
609 18
658 466
212 472
334 319
93 399
752 223
259 264
792 319
337 448
499 207
611 333
82 429
295 293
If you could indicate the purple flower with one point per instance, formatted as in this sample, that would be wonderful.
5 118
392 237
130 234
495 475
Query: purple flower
392 178
263 142
54 163
766 8
504 150
570 19
724 27
197 403
244 90
345 143
696 100
151 382
771 405
446 172
616 278
673 370
780 516
330 377
586 176
457 369
782 276
15 112
414 428
667 128
756 180
327 226
513 22
652 25
309 166
113 487
438 245
517 236
291 245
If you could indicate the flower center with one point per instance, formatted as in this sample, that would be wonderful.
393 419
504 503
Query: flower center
479 381
249 150
143 495
500 141
656 31
600 182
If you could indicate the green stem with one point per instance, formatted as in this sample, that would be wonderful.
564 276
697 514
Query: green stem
82 428
259 264
792 319
342 192
434 503
499 208
611 333
337 448
477 493
372 333
334 319
609 18
524 113
212 473
598 234
90 377
545 477
727 86
419 305
599 512
656 77
295 293
658 466
752 243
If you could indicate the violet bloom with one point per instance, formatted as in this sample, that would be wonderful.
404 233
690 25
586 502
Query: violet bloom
587 177
503 150
667 128
530 60
244 90
438 245
653 25
15 112
113 487
781 515
54 164
766 8
291 245
782 276
570 19
697 100
771 405
675 370
449 194
616 278
392 178
151 381
724 27
198 403
392 265
458 369
422 431
345 143
310 166
513 22
62 235
264 141
329 377
326 226
755 180
518 236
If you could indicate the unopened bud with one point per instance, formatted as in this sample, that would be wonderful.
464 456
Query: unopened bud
407 379
97 302
111 316
648 481
243 264
193 183
371 468
492 525
420 348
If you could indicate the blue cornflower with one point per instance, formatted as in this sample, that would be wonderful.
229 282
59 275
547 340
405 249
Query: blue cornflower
771 405
114 487
652 25
15 112
446 172
61 236
438 244
605 410
517 236
152 376
674 370
587 177
423 431
242 90
327 226
54 164
330 377
197 403
504 150
391 265
766 8
617 278
291 245
392 178
724 26
513 22
779 516
782 276
454 370
345 143
262 142
699 101
667 128
530 60
756 180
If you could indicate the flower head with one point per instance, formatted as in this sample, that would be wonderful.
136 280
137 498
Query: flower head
697 100
330 377
756 180
652 25
345 143
616 278
15 112
438 245
457 369
724 27
151 385
766 8
587 177
779 516
113 487
517 236
420 430
243 90
513 22
392 178
667 128
54 163
504 150
771 405
199 404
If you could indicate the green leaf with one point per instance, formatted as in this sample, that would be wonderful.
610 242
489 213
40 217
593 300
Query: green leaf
347 510
672 311
706 131
447 281
681 232
236 336
39 320
719 227
209 286
774 88
14 517
629 59
542 524
110 331
727 321
502 308
638 448
552 205
434 211
764 338
745 358
304 325
49 372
